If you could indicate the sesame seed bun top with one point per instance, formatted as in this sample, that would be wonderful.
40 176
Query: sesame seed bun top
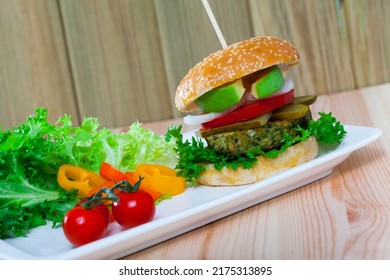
232 63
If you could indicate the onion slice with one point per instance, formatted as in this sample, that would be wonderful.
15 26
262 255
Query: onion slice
199 119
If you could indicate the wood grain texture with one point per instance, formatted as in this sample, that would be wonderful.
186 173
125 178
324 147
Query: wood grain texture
122 60
343 216
34 70
116 60
369 35
316 28
187 34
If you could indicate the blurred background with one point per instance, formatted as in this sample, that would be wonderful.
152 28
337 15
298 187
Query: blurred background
121 60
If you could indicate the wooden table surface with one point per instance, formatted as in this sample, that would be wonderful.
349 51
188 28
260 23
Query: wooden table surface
343 216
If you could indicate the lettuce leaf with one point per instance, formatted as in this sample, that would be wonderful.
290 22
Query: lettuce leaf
31 154
138 145
193 153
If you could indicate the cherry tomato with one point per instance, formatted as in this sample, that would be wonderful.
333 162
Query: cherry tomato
82 226
251 111
133 208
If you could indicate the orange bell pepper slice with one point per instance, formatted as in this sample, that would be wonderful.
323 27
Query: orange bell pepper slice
133 179
109 172
160 178
74 177
113 175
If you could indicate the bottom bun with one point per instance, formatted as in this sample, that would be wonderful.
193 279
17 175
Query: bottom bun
264 167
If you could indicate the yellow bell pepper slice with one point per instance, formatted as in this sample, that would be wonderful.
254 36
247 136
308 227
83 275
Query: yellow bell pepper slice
74 177
160 178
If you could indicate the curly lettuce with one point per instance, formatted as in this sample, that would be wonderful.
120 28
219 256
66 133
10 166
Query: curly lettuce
31 154
192 154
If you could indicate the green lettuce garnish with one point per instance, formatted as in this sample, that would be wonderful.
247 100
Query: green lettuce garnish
31 154
192 153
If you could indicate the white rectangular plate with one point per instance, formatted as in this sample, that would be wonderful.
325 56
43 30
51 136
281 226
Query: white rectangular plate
195 207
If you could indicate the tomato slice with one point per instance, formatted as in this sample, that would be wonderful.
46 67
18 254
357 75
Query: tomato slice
251 111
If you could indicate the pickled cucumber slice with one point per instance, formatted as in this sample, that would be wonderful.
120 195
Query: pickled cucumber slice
305 100
256 122
219 99
269 81
290 111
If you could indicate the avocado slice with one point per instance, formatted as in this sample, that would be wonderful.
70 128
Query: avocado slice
221 98
269 81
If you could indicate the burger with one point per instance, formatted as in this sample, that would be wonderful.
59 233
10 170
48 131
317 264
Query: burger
251 124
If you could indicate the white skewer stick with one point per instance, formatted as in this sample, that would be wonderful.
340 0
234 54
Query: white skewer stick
214 23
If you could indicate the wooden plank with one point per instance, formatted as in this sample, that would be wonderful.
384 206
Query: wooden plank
33 62
233 18
317 29
122 60
187 34
368 24
116 60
